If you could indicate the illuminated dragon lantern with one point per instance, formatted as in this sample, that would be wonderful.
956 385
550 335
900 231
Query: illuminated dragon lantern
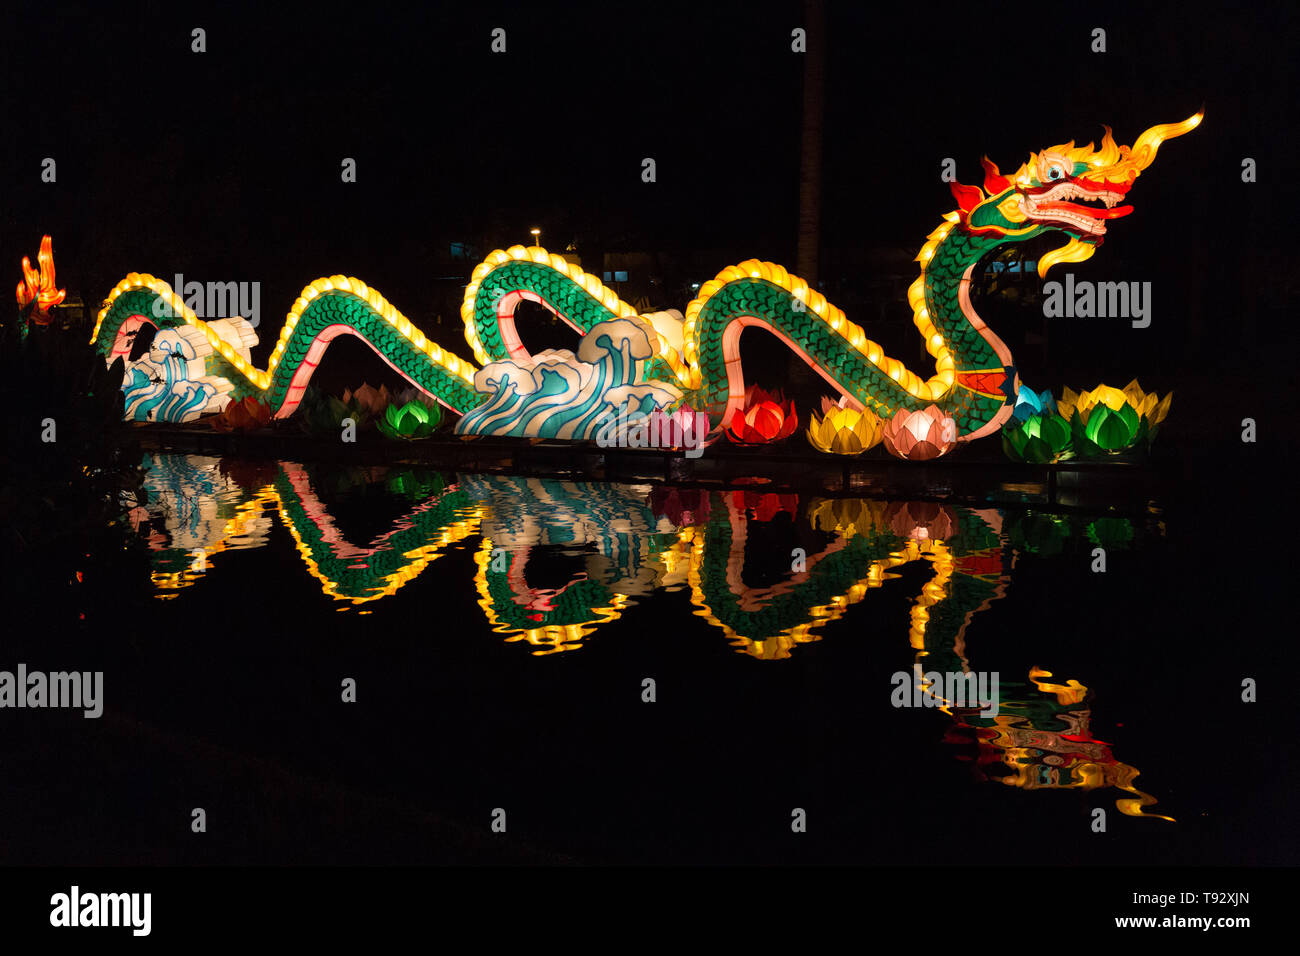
632 363
1070 189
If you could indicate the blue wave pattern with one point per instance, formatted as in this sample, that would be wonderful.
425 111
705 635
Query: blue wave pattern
159 387
556 394
615 520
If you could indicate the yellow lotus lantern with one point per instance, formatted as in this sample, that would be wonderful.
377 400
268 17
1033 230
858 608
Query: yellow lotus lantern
842 430
1150 406
1108 421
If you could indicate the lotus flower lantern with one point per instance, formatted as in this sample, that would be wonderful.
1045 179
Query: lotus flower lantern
920 435
843 430
1109 421
765 418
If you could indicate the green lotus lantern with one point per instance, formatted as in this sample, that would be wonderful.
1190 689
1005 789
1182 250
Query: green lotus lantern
1109 421
1039 439
1036 432
323 414
415 419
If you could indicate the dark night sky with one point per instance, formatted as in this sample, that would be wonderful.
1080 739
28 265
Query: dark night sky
225 165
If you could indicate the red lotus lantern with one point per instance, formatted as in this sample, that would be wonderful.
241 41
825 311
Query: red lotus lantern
766 417
243 416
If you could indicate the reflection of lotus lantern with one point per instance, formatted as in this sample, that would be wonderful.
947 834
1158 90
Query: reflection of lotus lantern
1037 533
1113 534
765 418
248 473
842 430
920 435
848 515
681 506
1107 421
921 520
764 505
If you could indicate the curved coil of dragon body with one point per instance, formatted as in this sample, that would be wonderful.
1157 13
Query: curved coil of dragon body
693 359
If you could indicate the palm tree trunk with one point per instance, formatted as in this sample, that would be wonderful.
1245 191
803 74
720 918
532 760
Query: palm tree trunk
810 163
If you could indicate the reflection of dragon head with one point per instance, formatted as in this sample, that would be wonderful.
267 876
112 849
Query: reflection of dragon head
1070 189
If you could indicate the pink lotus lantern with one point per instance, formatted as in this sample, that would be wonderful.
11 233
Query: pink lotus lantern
682 428
765 418
371 400
920 435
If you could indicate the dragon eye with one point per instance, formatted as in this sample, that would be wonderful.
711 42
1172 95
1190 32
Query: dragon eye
1055 172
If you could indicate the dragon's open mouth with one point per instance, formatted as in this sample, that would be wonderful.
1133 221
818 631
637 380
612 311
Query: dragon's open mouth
1064 203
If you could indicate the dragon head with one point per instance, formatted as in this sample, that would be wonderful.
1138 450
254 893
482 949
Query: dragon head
1072 189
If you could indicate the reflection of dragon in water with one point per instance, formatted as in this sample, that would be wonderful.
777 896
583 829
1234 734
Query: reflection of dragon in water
1063 189
627 541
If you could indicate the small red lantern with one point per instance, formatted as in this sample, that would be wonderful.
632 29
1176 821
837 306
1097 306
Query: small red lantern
766 417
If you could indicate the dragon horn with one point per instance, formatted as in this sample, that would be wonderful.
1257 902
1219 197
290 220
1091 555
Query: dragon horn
968 197
994 181
1144 150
